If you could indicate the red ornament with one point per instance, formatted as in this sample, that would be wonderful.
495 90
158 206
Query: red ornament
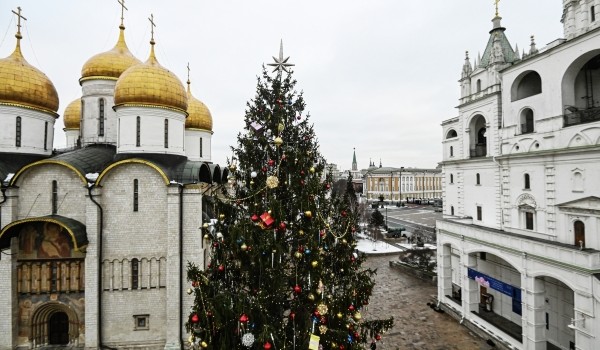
302 182
342 347
344 214
282 226
195 318
302 172
378 337
356 335
209 313
317 313
264 169
244 318
221 268
351 307
195 284
322 233
323 320
267 346
254 217
271 162
297 289
327 186
292 315
215 244
267 220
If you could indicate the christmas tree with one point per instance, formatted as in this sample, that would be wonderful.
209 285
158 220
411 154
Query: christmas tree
283 271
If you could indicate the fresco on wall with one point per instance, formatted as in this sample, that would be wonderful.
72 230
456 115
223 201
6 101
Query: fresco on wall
45 240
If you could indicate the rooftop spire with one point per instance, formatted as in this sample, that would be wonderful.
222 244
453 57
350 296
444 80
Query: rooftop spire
123 8
19 16
152 42
497 14
188 81
354 164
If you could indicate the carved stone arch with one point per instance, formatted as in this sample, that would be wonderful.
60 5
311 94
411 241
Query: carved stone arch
547 273
579 140
41 318
515 148
534 146
496 252
526 200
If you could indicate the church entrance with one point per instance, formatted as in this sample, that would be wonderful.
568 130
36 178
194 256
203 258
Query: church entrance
58 329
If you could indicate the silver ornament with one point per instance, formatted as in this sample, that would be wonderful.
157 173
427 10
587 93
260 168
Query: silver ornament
248 339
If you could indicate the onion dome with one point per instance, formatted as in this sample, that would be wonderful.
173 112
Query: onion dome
23 85
150 84
110 64
199 116
72 115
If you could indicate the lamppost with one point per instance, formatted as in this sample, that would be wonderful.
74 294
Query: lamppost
423 183
400 186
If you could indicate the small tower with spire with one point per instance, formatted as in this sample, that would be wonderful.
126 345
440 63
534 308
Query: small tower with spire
354 164
465 77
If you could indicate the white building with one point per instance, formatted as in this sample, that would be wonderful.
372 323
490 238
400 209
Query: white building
518 250
95 239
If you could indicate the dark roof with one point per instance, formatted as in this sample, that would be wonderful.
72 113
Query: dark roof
10 163
75 229
509 54
91 159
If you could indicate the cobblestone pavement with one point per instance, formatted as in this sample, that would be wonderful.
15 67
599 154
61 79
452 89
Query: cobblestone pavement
416 325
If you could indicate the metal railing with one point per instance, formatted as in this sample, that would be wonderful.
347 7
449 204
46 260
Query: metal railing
479 150
581 117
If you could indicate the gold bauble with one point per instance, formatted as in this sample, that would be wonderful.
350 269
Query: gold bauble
322 308
280 127
251 182
312 169
205 225
311 297
189 291
314 263
278 141
204 344
333 345
340 315
344 241
357 316
308 214
323 329
298 255
244 247
301 232
206 236
221 216
191 339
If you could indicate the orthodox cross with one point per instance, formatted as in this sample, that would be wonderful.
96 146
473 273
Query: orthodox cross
496 2
152 25
188 69
280 63
122 3
19 16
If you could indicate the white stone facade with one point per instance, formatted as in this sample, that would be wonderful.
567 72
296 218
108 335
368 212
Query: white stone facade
520 205
198 144
26 131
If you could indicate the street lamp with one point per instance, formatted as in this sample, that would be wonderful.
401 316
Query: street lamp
400 186
423 183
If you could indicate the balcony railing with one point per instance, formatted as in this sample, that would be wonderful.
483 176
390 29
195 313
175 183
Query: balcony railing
480 150
581 117
526 128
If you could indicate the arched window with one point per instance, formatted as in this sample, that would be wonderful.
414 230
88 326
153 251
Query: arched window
579 231
101 117
18 132
577 182
478 85
45 136
201 147
166 133
452 210
135 273
451 178
138 124
54 197
451 151
592 13
451 134
526 183
135 195
527 121
528 84
477 179
478 136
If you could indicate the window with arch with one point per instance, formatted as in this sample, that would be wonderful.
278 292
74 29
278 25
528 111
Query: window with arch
478 85
452 210
54 197
101 117
526 182
135 273
592 13
45 136
527 123
478 136
451 134
479 213
451 178
579 233
201 147
135 195
18 132
138 124
528 84
166 131
477 179
577 181
451 151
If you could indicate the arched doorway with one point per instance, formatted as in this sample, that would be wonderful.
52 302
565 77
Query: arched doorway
579 230
58 329
478 136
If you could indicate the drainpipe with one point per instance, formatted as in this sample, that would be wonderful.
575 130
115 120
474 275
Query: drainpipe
3 189
180 265
99 277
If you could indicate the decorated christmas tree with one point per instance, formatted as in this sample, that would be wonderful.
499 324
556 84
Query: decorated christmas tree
283 272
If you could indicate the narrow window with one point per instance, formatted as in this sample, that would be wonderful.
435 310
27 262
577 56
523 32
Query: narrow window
101 117
593 13
18 133
54 276
579 228
526 182
451 178
166 133
135 265
452 210
135 195
479 215
201 147
45 136
477 179
54 197
451 151
137 131
478 85
528 220
548 316
483 255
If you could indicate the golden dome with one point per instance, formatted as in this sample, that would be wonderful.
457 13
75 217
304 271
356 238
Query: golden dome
150 84
72 115
21 84
110 64
199 116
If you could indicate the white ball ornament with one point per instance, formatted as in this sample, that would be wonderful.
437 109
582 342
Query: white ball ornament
248 339
253 174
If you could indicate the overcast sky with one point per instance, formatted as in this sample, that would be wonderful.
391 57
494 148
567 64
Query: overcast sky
378 75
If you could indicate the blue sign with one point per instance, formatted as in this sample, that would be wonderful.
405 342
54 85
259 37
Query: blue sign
493 283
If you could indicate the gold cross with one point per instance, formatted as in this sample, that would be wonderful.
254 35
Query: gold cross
19 16
122 3
496 1
152 25
188 68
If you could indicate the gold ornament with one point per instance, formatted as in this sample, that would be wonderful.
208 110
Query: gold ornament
205 225
322 308
314 263
232 167
308 214
333 345
311 297
204 344
312 169
278 141
280 127
206 236
221 216
301 232
298 255
340 315
251 182
344 241
323 329
357 316
272 182
189 291
244 247
191 339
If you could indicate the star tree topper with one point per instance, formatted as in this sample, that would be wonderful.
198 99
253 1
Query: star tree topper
281 64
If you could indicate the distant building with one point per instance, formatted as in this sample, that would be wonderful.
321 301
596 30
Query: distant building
519 250
408 184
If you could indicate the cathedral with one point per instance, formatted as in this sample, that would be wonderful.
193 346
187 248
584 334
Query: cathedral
95 238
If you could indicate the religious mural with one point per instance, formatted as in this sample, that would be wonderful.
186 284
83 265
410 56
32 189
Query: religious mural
45 240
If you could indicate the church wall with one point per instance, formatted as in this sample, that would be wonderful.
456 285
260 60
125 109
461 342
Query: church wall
33 124
92 92
192 144
35 192
8 295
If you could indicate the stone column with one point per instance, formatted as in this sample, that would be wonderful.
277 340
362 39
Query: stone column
444 271
9 208
8 294
92 227
470 288
173 281
534 313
